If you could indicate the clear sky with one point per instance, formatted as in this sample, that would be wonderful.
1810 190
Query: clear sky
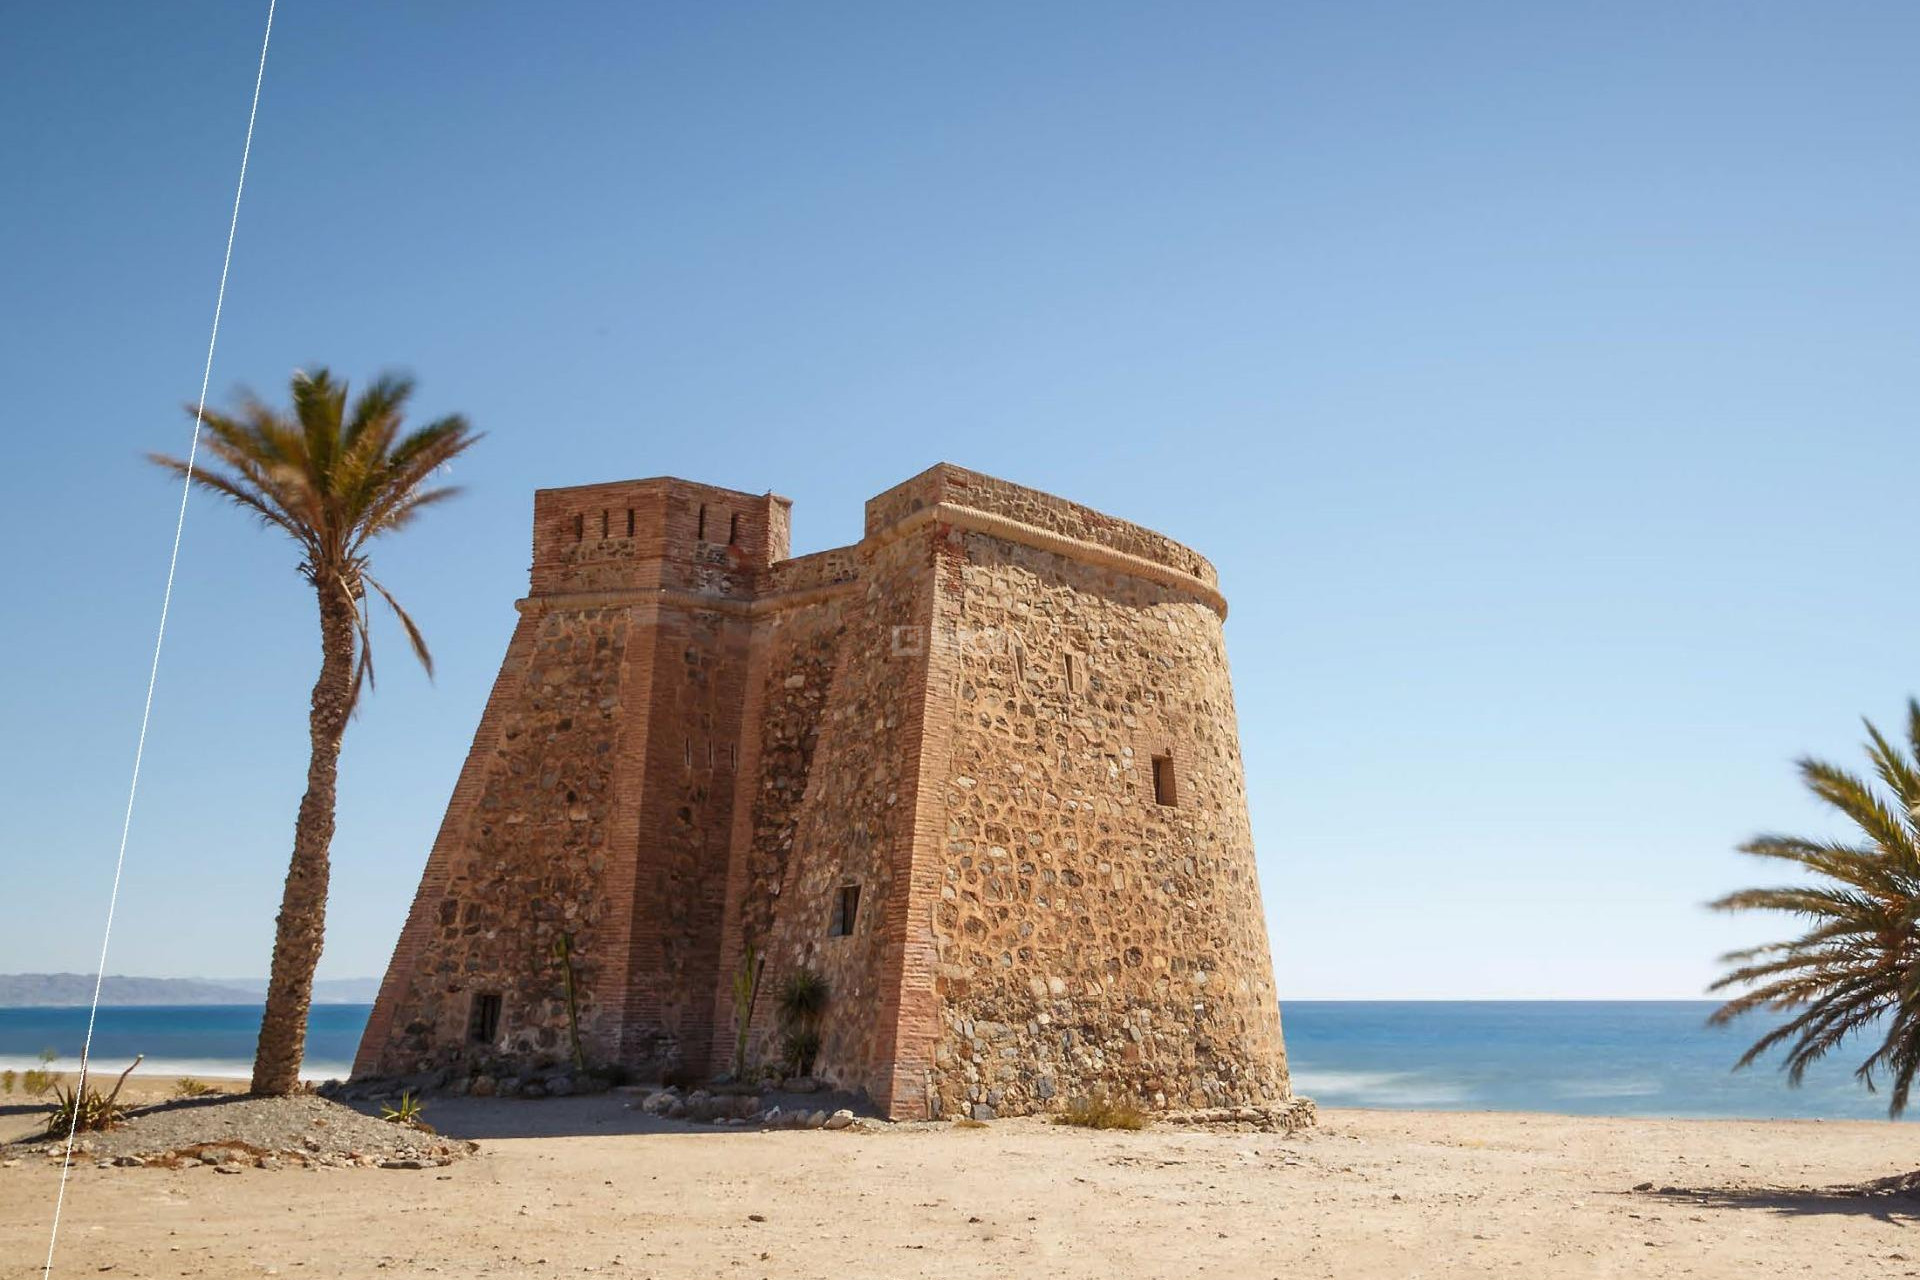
1541 378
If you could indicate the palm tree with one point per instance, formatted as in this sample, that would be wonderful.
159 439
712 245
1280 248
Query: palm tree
1856 969
333 478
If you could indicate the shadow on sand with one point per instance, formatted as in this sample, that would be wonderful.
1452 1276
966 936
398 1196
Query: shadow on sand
595 1115
1894 1200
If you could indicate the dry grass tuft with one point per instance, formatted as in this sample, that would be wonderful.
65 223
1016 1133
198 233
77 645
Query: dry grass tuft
1102 1112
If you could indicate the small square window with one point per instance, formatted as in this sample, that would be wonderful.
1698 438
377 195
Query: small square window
483 1020
846 907
1164 791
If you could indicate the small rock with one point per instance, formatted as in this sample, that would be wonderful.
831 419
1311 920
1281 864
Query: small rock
560 1086
482 1086
982 1111
404 1164
226 1168
816 1119
839 1119
1643 1186
127 1162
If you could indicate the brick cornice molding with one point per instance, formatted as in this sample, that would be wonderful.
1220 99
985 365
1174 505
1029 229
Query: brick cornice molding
747 607
960 516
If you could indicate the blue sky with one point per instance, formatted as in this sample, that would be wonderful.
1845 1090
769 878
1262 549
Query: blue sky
1540 378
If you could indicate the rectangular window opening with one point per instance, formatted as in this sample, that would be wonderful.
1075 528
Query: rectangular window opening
629 522
1163 783
483 1020
733 530
846 908
606 529
701 533
579 527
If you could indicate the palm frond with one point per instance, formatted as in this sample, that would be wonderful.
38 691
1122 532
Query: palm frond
1855 971
332 472
418 641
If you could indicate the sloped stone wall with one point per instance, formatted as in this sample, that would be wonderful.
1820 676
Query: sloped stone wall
1092 938
524 860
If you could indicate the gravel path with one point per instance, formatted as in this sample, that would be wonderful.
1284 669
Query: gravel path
235 1132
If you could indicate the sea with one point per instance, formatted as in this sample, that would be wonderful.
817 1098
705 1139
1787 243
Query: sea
1588 1057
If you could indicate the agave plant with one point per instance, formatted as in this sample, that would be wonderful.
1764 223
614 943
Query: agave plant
409 1111
1855 971
803 998
81 1108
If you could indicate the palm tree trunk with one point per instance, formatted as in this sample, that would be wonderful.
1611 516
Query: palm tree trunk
303 906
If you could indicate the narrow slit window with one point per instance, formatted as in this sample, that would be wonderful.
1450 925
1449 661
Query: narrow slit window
701 533
606 530
687 744
579 527
629 522
733 529
1164 790
846 909
483 1020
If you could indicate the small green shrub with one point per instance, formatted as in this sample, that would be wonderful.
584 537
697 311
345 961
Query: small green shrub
1098 1111
7 1079
188 1087
799 1048
38 1080
803 998
408 1111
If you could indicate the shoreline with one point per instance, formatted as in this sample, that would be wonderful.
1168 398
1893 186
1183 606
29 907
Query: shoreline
153 1082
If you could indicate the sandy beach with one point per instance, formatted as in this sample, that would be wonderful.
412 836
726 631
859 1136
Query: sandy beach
583 1186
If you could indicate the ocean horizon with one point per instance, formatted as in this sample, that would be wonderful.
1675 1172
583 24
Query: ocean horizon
1646 1058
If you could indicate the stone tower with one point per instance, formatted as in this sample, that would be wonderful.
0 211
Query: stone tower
979 770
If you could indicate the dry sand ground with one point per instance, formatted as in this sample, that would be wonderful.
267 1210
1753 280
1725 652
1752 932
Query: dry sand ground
580 1186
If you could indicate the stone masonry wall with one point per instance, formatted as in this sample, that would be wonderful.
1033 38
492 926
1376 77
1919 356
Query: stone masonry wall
1092 938
525 863
855 826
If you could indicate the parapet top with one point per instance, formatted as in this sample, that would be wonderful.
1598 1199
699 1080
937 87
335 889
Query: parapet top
957 486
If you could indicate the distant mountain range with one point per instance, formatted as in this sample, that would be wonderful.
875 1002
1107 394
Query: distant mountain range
39 990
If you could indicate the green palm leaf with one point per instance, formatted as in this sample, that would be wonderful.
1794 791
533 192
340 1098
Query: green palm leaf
1855 970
